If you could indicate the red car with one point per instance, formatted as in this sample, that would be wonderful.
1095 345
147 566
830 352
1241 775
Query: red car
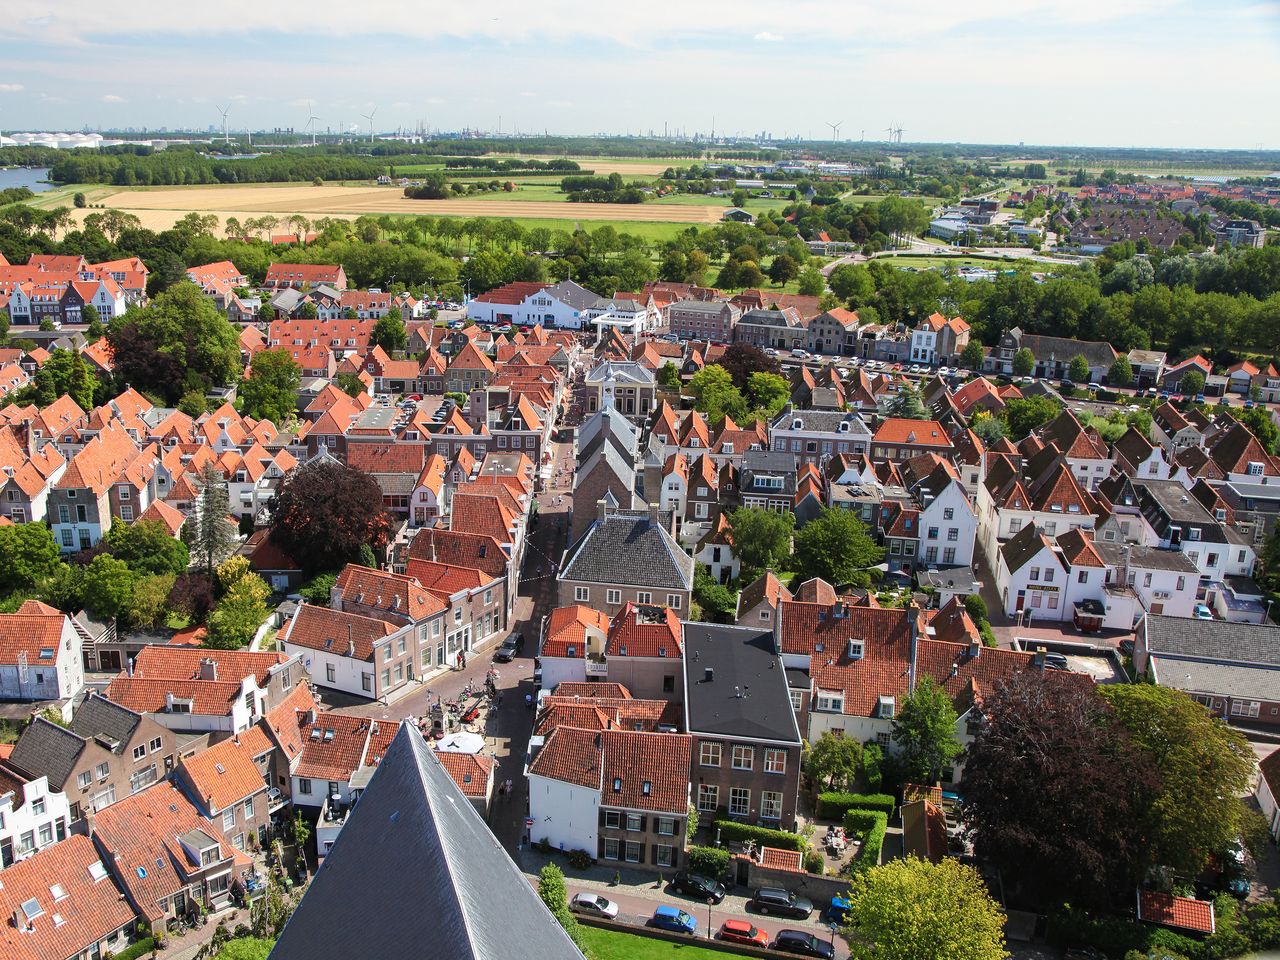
740 931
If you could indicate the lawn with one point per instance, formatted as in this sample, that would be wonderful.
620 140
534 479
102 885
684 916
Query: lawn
613 945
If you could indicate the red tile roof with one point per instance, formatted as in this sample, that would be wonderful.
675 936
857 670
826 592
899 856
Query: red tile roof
471 772
639 771
919 432
33 632
225 774
1183 913
333 746
87 909
392 593
644 631
327 630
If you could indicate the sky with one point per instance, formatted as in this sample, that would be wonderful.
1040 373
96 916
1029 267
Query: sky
1161 73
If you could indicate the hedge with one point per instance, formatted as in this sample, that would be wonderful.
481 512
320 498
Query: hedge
138 949
1116 936
871 825
710 861
872 758
763 836
834 805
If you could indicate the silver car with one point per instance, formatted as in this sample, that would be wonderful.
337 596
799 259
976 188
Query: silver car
593 904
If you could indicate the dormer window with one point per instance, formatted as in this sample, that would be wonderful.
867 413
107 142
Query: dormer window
617 784
1255 468
886 707
855 649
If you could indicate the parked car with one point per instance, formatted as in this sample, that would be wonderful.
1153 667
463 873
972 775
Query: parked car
510 648
593 905
675 919
803 943
799 354
697 885
740 931
1202 612
782 902
1055 661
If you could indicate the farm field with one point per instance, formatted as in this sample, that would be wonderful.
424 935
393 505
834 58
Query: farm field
603 166
160 207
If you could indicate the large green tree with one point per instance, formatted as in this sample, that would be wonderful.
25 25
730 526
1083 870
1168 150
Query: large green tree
28 553
1204 768
913 909
1024 361
833 763
853 283
108 586
1078 369
907 405
1121 372
761 538
811 282
145 545
210 539
270 392
972 355
715 395
836 546
389 332
179 342
1024 414
925 732
768 392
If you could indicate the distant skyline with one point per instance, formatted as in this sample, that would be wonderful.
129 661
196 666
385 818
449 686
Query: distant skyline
1145 73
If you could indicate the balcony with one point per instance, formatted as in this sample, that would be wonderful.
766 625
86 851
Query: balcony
597 665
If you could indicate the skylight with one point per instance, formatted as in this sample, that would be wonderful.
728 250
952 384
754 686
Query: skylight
57 891
97 871
32 909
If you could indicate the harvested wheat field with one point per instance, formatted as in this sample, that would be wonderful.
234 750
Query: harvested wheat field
160 207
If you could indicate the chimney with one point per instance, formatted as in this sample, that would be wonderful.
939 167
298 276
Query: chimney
602 509
975 648
655 514
351 641
208 669
129 664
708 675
1037 661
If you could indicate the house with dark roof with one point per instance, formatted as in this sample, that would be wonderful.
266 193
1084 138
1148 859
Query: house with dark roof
1233 669
1053 355
1177 521
108 753
414 821
626 556
746 747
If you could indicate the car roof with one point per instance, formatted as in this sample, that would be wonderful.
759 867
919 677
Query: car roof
793 935
668 911
738 924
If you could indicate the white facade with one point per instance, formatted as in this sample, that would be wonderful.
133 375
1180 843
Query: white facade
924 345
948 529
178 716
566 815
31 819
1040 585
558 670
58 676
1269 806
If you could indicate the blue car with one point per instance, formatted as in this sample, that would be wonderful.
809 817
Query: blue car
674 919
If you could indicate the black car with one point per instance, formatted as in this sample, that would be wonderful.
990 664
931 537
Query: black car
784 903
510 648
697 885
803 943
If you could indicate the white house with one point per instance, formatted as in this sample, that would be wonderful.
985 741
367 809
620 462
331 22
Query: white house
1032 575
573 644
1268 792
1165 581
32 816
39 654
345 651
948 526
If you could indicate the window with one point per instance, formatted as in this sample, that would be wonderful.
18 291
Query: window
933 533
229 818
386 679
139 752
673 601
948 513
37 807
634 822
797 699
581 594
366 682
613 819
708 797
831 702
642 598
666 826
775 761
248 809
613 596
1048 574
611 848
709 755
663 855
1244 708
1146 579
739 801
884 738
744 757
633 851
1083 577
102 770
84 779
1035 573
386 653
330 673
953 534
771 805
400 646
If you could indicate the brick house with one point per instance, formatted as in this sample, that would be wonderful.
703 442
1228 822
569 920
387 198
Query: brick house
228 784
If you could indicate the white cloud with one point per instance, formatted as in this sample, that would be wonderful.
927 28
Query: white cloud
112 98
766 37
11 88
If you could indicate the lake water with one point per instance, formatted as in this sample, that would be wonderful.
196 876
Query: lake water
23 177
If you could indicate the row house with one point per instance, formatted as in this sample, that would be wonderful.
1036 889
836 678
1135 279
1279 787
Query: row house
347 651
198 689
834 333
391 376
1174 520
621 313
939 340
768 480
402 602
470 369
107 753
692 490
783 329
80 503
1176 430
304 276
478 554
1082 447
1053 355
32 816
342 336
1042 492
947 525
229 785
1174 374
61 299
626 386
27 476
897 439
640 648
703 320
814 436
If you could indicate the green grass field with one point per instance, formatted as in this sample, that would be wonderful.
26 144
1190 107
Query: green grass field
613 945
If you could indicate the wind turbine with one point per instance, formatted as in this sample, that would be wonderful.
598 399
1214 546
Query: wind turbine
224 111
369 116
890 132
835 129
311 122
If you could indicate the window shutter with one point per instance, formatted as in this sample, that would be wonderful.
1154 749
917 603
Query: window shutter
643 822
641 860
654 854
602 816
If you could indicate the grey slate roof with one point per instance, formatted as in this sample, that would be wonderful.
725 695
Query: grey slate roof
47 750
1243 682
623 371
1145 558
98 715
747 694
1215 640
416 873
821 421
627 547
1025 544
573 294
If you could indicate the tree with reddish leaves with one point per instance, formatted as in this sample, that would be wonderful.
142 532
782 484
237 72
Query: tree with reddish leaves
1055 792
192 596
324 512
742 360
